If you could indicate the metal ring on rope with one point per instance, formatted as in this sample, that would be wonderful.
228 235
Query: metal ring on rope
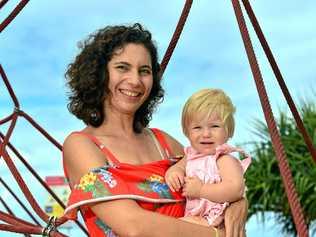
51 226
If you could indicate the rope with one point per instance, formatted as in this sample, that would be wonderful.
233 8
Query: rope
2 3
6 206
175 36
40 180
9 87
10 212
20 226
17 112
275 137
13 117
280 79
19 201
13 14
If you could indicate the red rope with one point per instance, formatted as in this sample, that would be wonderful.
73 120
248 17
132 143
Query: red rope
175 36
40 180
18 112
13 14
41 130
13 220
24 187
2 3
280 79
6 206
21 226
19 201
9 87
287 179
13 117
6 119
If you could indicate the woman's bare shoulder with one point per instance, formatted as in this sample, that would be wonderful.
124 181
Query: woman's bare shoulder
80 155
175 146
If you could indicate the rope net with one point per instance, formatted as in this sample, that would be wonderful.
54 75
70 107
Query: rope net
15 224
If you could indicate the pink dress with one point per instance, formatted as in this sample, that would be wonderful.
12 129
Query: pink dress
205 168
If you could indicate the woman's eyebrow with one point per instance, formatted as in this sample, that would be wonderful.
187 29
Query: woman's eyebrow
122 62
128 64
146 66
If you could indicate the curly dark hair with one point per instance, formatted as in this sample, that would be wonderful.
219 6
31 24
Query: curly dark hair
88 77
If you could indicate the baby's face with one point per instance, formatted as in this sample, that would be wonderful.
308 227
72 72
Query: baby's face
207 134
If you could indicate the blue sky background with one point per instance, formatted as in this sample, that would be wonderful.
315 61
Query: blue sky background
37 46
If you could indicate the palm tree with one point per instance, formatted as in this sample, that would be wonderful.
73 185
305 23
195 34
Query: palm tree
266 192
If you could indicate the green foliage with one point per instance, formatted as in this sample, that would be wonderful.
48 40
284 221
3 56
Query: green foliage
265 188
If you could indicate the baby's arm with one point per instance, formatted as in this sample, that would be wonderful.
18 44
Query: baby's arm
230 189
232 186
175 175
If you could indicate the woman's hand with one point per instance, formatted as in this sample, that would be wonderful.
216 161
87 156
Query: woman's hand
235 218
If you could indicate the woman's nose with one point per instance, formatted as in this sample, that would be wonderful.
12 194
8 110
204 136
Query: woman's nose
134 77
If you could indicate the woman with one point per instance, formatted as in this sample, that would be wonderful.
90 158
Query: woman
116 165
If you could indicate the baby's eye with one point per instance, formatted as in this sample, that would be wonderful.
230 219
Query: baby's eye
196 127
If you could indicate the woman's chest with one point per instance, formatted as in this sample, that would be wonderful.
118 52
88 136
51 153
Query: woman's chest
135 152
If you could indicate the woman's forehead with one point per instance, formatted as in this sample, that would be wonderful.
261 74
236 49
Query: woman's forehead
132 52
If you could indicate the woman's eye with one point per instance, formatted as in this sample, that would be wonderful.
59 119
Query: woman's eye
145 72
121 67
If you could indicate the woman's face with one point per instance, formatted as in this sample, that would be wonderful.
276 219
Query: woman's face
130 78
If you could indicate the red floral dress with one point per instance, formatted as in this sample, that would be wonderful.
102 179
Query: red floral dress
144 183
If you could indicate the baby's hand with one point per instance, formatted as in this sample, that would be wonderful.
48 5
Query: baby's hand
192 187
175 178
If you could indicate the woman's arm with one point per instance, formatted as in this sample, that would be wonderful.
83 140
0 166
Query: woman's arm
235 218
125 217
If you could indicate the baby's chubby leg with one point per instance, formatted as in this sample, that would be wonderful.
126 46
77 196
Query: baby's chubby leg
195 220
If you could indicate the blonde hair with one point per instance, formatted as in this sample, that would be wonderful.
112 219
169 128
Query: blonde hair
206 102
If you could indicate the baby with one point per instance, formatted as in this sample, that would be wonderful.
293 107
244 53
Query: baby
210 177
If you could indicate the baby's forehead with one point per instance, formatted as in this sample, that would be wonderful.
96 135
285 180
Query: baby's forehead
206 117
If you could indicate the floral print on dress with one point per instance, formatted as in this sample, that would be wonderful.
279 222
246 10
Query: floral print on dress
155 183
106 176
107 230
94 182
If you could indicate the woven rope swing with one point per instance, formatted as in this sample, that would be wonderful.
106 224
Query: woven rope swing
17 225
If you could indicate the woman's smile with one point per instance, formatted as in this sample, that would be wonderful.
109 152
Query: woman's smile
130 93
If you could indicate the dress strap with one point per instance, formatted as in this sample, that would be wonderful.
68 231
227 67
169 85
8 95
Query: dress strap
162 140
109 155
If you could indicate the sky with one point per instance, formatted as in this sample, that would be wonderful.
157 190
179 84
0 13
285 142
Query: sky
37 46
